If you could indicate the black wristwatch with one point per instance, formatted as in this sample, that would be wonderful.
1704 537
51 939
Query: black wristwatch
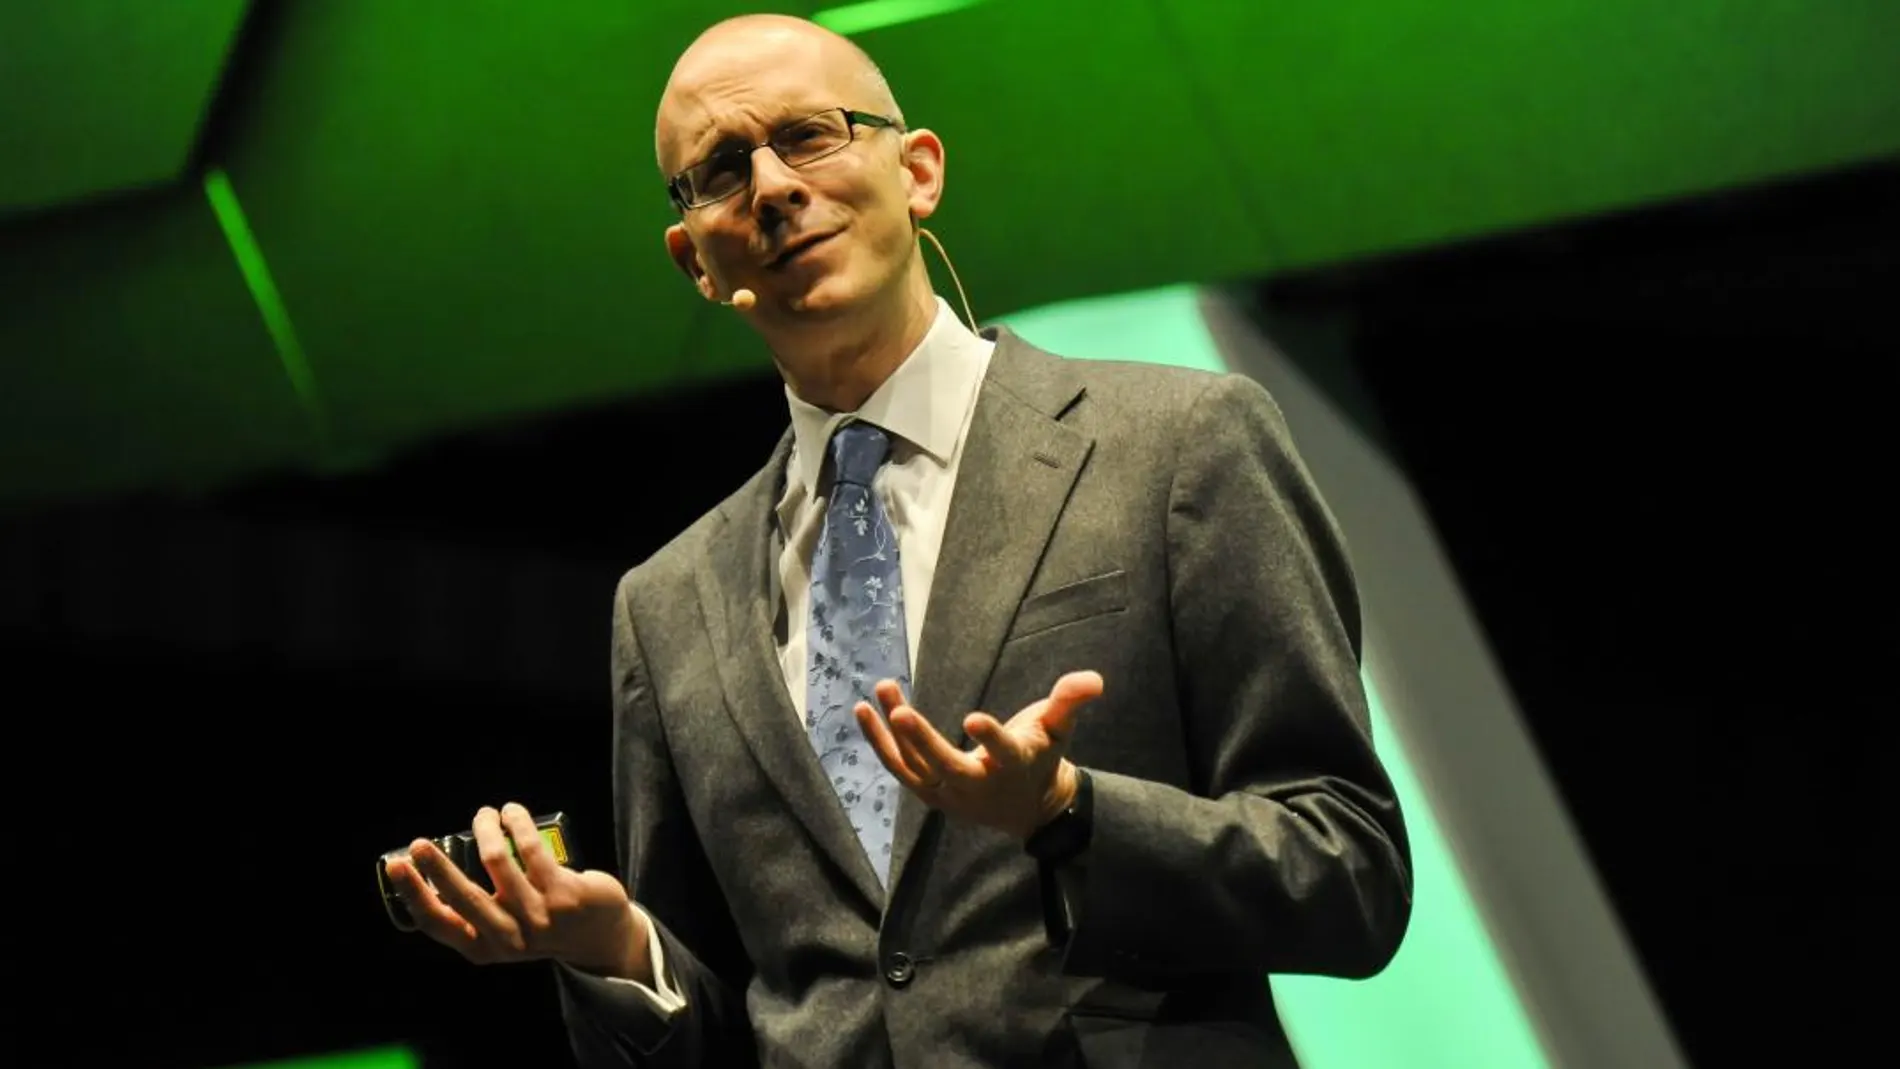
1066 836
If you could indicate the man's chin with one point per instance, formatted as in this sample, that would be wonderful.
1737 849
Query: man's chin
825 300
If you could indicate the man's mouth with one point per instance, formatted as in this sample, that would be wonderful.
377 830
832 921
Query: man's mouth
798 249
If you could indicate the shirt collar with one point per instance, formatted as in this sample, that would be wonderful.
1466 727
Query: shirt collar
924 401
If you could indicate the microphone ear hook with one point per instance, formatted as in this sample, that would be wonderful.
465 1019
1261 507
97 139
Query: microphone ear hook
961 296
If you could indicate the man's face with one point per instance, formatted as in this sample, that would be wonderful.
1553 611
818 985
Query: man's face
818 240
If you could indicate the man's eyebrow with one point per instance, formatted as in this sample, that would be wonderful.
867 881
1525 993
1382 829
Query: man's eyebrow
716 140
711 143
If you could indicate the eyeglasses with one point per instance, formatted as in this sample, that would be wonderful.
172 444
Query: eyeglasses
798 143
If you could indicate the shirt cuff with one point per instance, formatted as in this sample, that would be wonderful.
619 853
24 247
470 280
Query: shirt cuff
668 999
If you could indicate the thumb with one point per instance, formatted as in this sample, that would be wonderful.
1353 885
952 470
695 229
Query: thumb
1070 693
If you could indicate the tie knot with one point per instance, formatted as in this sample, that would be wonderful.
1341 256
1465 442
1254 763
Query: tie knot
857 448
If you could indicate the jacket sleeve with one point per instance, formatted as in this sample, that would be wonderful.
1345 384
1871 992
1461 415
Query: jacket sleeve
1290 855
616 1024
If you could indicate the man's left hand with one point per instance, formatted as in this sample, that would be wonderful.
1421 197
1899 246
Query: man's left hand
1015 779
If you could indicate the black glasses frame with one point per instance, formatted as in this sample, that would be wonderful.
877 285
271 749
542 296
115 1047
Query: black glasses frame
676 186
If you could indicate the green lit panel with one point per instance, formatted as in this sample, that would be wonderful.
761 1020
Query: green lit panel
1366 127
1069 128
1103 146
132 355
460 208
270 303
98 96
1446 1001
458 203
873 14
379 1058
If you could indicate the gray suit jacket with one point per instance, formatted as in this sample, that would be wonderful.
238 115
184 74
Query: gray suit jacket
1150 523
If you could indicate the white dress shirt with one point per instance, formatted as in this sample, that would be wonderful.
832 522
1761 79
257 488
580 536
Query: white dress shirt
925 406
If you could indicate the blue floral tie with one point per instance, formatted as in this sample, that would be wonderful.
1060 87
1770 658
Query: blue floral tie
856 636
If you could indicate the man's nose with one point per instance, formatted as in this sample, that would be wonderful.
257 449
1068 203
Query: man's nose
775 184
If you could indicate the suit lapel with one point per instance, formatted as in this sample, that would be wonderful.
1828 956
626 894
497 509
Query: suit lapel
1018 466
733 578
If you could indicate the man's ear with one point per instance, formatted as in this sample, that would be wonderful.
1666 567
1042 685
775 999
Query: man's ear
679 246
923 172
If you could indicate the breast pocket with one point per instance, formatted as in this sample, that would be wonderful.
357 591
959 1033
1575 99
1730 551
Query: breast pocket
1085 599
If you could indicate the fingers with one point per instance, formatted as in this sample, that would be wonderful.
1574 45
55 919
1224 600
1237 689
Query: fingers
888 749
1070 693
432 918
498 858
922 759
536 859
1002 746
909 746
461 894
919 765
928 773
922 743
899 752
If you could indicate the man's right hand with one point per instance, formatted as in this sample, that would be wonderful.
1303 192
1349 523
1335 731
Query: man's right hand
539 909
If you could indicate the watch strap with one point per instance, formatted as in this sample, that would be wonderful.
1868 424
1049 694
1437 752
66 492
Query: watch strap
1067 835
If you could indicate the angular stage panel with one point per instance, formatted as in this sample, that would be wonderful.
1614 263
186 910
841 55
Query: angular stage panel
104 96
132 356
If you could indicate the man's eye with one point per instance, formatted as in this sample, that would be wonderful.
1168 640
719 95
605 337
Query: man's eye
798 135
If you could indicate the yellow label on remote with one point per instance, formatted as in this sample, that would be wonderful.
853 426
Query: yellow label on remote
556 843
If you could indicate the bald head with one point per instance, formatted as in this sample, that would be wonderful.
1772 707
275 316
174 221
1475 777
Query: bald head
821 229
759 62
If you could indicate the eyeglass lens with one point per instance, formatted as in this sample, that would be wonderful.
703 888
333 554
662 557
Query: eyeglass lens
797 143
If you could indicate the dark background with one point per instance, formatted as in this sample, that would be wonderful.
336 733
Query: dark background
1656 447
1652 443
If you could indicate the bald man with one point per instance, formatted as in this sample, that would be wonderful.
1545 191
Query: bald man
1134 773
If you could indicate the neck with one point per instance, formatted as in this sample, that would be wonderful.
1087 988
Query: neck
842 364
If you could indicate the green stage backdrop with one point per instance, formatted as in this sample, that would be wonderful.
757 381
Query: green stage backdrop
452 217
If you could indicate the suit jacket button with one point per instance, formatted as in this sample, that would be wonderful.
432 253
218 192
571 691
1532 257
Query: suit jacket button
900 969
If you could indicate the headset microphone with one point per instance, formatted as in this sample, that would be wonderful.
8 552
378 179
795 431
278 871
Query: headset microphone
743 299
